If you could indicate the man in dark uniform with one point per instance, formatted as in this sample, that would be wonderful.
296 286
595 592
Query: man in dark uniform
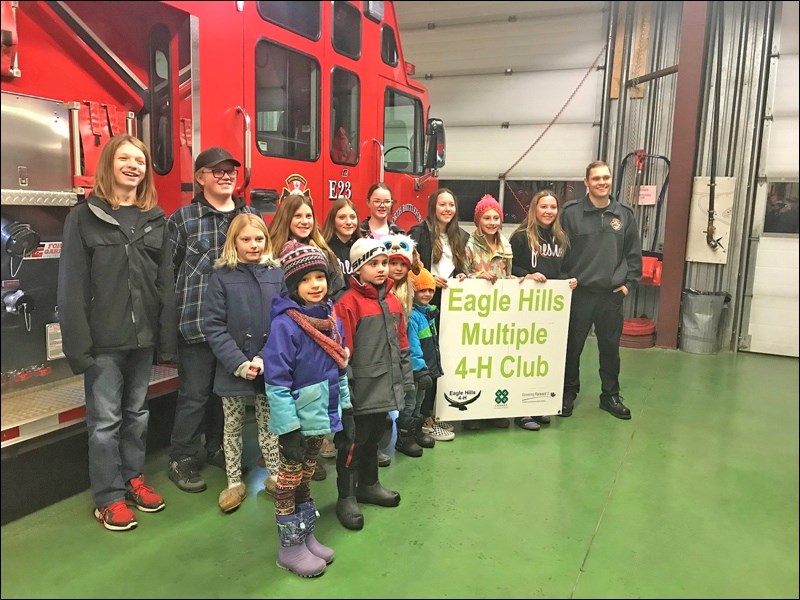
605 256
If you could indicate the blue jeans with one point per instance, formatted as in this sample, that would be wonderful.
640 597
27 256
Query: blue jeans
421 393
412 408
196 367
116 416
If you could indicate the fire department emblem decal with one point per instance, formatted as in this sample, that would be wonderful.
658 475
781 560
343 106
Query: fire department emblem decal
616 224
296 184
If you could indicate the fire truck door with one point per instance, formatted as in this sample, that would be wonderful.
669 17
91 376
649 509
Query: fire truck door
283 96
224 118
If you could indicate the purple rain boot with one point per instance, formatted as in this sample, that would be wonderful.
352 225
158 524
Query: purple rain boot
308 514
293 554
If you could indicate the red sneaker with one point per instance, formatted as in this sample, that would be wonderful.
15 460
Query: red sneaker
116 516
143 496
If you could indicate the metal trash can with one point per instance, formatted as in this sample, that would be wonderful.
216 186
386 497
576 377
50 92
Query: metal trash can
701 313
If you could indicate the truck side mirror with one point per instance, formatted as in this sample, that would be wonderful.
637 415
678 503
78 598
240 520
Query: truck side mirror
434 144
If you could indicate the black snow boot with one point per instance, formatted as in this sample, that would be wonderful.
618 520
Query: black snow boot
347 509
423 439
406 442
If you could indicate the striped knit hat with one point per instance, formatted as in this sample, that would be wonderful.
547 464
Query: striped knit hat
364 250
298 259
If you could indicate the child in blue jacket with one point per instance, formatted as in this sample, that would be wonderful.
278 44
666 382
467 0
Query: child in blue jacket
308 397
426 360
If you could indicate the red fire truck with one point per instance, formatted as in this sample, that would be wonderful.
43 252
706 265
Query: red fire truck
314 96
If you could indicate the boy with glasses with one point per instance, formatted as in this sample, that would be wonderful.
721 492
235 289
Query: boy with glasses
197 232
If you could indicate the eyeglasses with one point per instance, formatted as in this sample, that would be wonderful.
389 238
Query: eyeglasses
383 202
220 173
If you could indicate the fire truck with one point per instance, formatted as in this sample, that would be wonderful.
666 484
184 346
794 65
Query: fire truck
308 96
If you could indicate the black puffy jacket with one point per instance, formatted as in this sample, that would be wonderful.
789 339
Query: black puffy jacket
115 291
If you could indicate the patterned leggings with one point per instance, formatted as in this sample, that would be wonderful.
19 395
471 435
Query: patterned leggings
233 408
294 478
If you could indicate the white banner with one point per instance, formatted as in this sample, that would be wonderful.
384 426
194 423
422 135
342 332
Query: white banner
503 348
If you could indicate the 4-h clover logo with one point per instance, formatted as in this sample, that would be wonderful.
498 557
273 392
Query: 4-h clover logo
501 396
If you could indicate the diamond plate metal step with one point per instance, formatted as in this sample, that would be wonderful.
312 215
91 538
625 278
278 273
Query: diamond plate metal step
36 411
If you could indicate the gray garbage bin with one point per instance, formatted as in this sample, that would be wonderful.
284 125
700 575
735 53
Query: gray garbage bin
701 313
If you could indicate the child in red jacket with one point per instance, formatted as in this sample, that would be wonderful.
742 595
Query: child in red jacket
380 377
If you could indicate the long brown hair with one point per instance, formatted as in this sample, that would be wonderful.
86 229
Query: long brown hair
452 230
530 224
329 226
146 194
280 228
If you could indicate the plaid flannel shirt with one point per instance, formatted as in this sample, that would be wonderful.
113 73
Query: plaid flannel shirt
197 232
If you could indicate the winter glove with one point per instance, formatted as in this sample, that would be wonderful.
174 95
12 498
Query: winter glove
349 425
293 446
242 370
423 379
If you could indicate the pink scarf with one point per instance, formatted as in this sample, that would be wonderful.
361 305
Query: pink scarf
314 328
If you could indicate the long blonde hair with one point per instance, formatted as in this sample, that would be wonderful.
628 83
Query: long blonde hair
329 226
229 257
280 229
533 228
404 292
452 230
146 194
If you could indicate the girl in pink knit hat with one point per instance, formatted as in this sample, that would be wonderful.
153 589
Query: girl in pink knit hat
488 251
489 257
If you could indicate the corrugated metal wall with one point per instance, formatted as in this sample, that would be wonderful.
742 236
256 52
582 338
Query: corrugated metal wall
491 117
641 119
550 54
645 123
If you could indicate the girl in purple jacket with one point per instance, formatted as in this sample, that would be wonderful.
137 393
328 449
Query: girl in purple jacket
308 397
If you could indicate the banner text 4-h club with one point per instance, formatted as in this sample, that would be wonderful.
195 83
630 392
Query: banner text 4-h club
503 348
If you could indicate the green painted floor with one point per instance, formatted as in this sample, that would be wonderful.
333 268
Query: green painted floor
696 496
